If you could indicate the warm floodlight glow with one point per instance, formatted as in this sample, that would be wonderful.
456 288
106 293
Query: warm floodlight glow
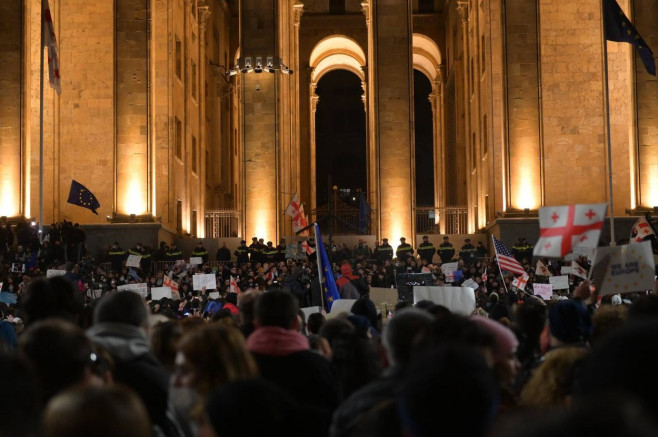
8 198
134 198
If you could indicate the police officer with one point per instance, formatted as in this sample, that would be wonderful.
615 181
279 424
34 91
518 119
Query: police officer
481 251
426 250
281 250
404 250
446 250
200 251
270 253
116 255
242 253
467 252
384 251
145 262
254 250
223 254
174 253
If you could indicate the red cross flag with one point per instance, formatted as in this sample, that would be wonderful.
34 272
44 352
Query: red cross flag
168 282
308 249
641 229
577 270
542 270
233 286
296 211
564 227
50 41
520 282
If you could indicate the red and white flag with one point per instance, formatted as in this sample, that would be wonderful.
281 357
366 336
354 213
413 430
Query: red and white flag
296 211
307 248
233 286
520 282
542 270
484 276
50 41
640 230
564 227
577 270
168 282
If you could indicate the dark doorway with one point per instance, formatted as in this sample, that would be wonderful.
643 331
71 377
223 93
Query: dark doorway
424 140
340 137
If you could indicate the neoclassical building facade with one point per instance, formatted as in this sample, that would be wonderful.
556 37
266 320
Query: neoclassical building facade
165 116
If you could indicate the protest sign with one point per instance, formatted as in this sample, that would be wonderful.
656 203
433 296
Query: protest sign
133 261
158 293
204 280
545 291
213 295
623 269
470 283
196 260
141 289
342 305
559 282
459 300
565 270
52 272
311 310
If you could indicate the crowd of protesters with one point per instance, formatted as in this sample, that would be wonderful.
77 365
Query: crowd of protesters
78 357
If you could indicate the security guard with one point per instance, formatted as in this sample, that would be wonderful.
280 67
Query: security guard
174 253
467 252
281 250
145 262
446 250
270 253
404 250
384 251
254 250
200 251
426 250
242 253
116 255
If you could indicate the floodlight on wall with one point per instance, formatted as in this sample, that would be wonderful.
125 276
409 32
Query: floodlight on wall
247 66
284 68
259 65
269 67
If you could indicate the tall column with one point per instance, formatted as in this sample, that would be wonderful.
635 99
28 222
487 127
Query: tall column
462 9
259 110
203 14
436 101
313 108
392 48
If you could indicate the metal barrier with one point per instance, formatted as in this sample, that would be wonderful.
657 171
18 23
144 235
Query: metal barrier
345 221
447 220
222 223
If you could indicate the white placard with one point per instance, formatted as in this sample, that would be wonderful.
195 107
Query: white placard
133 261
470 283
158 293
565 270
196 260
50 273
545 291
559 282
459 300
204 280
623 269
449 268
342 305
213 295
141 289
312 310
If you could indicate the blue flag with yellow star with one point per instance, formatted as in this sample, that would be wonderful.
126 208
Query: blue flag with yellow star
81 196
329 288
619 28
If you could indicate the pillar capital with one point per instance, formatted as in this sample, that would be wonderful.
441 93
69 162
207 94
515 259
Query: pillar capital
203 13
365 8
462 8
298 10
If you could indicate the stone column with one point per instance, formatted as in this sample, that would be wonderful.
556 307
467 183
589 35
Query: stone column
203 14
313 107
393 86
462 9
436 100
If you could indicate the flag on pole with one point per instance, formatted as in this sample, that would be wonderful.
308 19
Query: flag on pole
564 227
542 270
619 28
50 41
233 286
505 259
577 270
640 230
329 289
296 211
81 196
484 276
520 282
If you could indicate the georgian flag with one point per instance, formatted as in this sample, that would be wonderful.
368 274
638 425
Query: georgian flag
50 41
308 249
564 227
168 282
520 282
542 270
296 211
233 286
577 270
640 230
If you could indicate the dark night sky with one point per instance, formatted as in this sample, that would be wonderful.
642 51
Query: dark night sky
341 135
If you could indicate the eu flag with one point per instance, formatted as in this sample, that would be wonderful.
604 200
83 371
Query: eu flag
81 196
619 28
329 288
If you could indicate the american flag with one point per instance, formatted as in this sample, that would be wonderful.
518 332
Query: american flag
505 259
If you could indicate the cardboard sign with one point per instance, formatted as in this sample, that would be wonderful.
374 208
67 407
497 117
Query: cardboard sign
213 295
196 260
52 273
559 282
17 268
158 293
204 280
623 269
133 261
545 291
459 300
470 283
141 289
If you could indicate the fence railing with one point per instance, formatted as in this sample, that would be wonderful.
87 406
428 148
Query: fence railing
222 223
446 220
343 221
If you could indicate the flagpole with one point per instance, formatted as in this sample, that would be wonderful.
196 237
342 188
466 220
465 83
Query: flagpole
319 263
41 128
606 100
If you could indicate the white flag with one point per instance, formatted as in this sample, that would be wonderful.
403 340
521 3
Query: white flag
50 41
640 230
564 227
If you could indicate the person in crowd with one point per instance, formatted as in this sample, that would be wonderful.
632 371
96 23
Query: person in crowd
223 254
349 285
446 250
20 402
